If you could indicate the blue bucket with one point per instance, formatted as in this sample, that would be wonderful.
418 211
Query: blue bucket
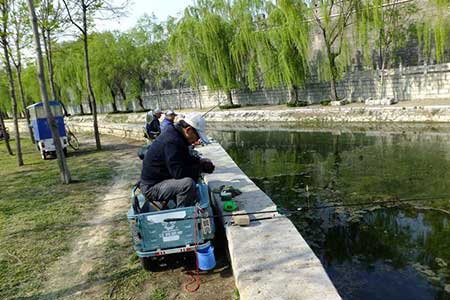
206 259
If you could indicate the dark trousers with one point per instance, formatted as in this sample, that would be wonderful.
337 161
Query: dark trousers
183 191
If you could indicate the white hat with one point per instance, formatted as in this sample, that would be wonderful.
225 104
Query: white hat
157 111
170 113
198 122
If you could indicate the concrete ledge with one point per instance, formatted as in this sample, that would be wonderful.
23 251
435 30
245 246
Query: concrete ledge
270 258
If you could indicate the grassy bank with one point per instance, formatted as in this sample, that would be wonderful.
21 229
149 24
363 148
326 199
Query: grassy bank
39 216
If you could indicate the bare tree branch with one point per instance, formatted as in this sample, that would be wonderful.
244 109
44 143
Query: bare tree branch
71 19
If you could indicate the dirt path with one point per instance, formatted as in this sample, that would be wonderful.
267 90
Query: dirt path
69 278
76 276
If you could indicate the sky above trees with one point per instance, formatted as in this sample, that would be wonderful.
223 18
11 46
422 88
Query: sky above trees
161 9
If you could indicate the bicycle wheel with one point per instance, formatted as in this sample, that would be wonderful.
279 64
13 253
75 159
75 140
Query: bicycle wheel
73 141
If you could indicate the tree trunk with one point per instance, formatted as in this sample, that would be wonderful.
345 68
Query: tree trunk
114 105
88 78
81 109
123 94
124 97
382 92
63 168
48 53
12 93
293 95
229 97
334 74
158 100
333 70
22 94
333 94
5 134
140 101
199 97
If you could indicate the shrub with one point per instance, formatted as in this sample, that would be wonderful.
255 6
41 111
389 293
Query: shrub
297 104
325 102
229 106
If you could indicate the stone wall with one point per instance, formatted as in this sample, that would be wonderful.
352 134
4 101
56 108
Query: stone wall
404 83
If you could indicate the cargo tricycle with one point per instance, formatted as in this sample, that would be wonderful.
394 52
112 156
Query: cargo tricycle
41 128
161 232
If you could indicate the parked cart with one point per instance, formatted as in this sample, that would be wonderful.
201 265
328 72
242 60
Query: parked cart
41 128
159 233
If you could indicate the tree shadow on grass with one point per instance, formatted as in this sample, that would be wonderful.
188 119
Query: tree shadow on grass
105 148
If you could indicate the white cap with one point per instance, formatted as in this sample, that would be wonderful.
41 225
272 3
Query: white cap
170 113
198 122
157 111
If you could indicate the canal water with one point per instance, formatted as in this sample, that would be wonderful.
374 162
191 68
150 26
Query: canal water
395 250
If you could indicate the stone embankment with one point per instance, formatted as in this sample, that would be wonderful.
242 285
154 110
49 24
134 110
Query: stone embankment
313 114
359 114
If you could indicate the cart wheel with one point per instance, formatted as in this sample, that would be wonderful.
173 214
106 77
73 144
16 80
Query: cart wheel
44 155
150 264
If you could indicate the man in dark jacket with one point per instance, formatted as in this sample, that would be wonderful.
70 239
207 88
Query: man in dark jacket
152 128
169 171
169 118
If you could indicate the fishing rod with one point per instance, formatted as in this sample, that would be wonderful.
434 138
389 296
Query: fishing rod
298 210
209 110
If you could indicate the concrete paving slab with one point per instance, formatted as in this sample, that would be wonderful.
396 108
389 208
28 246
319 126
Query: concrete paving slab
270 258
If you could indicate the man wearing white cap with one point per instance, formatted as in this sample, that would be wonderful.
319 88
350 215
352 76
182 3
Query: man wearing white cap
169 172
169 118
153 128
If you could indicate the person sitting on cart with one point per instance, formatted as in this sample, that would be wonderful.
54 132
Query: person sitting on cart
169 171
169 118
152 128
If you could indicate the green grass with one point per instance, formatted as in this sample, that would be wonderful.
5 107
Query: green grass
122 272
39 215
158 294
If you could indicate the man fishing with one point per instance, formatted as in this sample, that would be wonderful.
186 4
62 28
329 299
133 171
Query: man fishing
169 119
169 171
152 128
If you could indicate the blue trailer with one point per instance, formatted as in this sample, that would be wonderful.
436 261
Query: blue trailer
158 233
41 128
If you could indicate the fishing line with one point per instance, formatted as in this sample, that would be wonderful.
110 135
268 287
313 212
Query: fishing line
298 210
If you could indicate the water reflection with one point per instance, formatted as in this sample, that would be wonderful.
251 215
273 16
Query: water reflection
375 252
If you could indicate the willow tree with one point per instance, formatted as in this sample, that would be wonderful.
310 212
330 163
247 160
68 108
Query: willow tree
20 28
388 23
333 17
5 11
78 13
201 41
51 21
108 67
284 46
70 73
151 62
63 168
433 29
243 16
31 92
